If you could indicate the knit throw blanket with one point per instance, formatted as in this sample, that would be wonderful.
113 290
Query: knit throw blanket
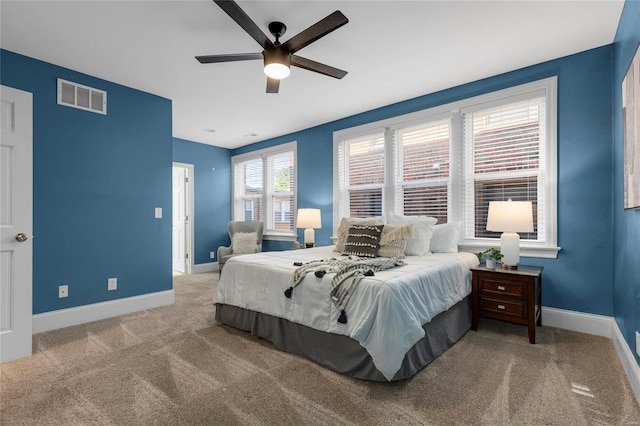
349 271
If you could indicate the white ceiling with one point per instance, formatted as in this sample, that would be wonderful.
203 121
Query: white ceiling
393 50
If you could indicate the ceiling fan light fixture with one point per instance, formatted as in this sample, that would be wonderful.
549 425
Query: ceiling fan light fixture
277 70
276 63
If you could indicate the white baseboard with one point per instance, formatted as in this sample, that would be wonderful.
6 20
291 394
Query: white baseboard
598 325
96 311
628 360
205 267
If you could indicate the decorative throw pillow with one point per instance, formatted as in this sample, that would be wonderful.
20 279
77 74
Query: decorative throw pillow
422 229
363 240
393 240
244 242
346 223
445 238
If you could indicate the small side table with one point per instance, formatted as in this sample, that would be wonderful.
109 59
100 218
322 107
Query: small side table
513 295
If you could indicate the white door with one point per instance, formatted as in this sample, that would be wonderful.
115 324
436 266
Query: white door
179 219
16 223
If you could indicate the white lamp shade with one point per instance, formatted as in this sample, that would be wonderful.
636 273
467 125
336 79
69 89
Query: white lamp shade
510 216
309 218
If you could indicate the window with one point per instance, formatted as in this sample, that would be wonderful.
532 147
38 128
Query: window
504 152
361 176
264 188
422 175
449 161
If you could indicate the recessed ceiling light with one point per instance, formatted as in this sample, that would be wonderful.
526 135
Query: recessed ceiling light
250 135
210 130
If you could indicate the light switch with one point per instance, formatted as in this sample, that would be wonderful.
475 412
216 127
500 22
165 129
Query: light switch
158 212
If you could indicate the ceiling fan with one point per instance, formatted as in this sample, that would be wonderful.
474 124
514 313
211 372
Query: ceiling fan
279 57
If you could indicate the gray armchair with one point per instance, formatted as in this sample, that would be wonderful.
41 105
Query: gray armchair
226 253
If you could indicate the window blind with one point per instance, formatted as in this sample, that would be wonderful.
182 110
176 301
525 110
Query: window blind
361 176
248 190
280 173
504 152
423 173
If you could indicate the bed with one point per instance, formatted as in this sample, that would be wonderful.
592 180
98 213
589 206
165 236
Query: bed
399 320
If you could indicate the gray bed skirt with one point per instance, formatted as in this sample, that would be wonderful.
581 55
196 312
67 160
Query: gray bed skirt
342 353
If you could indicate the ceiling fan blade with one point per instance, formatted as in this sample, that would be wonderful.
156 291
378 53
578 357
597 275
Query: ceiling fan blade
318 67
233 10
210 59
314 32
273 84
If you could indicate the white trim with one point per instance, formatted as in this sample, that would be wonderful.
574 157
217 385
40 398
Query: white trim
598 325
97 311
280 237
201 268
628 360
526 250
189 226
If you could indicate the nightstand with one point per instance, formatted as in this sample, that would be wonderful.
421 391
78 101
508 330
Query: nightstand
513 295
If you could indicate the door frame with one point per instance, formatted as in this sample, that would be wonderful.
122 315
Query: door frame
189 210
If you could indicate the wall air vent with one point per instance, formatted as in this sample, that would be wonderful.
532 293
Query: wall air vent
82 97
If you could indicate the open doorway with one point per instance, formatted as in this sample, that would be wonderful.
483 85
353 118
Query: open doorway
182 218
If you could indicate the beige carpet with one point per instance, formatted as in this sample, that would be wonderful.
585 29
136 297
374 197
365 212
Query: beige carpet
174 365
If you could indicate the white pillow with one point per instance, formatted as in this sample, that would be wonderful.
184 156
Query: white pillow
244 242
445 238
422 230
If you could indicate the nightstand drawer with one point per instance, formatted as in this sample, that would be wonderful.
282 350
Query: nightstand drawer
513 289
516 309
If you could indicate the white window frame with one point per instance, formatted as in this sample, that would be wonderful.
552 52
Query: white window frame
547 246
340 187
263 155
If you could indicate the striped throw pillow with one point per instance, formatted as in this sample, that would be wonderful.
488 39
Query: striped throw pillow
363 240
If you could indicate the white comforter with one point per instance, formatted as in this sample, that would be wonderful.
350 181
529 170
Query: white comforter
385 313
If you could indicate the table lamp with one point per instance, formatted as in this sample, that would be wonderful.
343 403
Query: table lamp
510 217
309 219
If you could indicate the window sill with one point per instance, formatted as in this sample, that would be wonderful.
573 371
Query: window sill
526 250
279 237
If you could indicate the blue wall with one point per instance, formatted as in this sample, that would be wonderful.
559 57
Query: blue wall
212 194
626 258
580 278
97 180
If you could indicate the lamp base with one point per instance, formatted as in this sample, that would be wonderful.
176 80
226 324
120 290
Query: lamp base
510 245
309 237
509 267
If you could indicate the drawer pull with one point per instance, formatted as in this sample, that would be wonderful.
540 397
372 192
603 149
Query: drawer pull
502 288
501 307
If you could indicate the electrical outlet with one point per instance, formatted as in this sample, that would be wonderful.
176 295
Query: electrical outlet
638 343
212 255
63 291
112 284
158 213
